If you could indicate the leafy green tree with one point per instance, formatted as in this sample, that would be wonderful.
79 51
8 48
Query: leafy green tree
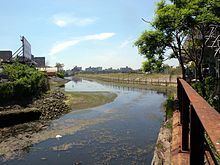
203 13
152 45
180 25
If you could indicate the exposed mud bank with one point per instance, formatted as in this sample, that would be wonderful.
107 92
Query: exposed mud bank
9 118
49 106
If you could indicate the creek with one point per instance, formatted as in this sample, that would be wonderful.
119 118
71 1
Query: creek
121 132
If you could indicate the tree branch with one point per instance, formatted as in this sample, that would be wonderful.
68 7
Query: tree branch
148 23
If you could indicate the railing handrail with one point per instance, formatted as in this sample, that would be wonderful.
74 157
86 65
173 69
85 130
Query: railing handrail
198 120
208 116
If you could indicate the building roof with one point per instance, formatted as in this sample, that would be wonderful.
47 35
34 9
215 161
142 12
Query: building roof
5 55
40 62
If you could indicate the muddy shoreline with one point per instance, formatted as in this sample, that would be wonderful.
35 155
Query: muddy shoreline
50 106
16 139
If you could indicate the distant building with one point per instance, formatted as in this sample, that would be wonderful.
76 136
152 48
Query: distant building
40 62
93 69
76 69
125 70
71 72
5 56
110 70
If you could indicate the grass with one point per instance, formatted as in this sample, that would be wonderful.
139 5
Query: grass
169 124
159 145
84 100
169 107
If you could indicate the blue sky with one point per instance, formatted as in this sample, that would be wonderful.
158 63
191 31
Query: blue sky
77 32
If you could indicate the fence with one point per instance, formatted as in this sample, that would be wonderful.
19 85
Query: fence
200 126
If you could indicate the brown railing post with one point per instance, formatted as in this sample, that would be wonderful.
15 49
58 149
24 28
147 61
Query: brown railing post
185 122
196 139
179 95
200 118
184 118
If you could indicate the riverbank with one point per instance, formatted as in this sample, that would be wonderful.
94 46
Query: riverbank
162 151
134 78
49 106
53 104
168 90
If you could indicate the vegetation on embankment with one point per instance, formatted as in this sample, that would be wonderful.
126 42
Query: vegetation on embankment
154 77
24 90
23 83
84 100
169 106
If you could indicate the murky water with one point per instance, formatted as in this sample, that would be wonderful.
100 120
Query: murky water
122 132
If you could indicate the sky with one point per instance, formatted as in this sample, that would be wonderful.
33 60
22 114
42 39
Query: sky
78 32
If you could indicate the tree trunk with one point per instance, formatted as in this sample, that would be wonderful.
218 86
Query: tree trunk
180 57
201 80
183 71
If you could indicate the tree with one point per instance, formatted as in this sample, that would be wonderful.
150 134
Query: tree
152 45
59 67
180 26
203 13
168 33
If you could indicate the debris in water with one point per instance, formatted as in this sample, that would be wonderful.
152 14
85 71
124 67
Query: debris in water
58 136
43 158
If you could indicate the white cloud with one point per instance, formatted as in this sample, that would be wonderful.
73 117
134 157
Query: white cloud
60 23
63 20
61 46
66 44
84 21
126 42
101 36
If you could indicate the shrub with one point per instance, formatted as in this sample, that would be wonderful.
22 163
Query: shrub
60 74
25 82
169 107
6 90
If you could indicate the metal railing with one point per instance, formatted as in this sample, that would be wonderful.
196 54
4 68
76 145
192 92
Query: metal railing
200 126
